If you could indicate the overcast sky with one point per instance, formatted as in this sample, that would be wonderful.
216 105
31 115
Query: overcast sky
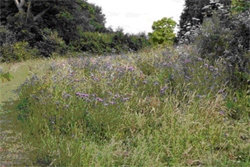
136 16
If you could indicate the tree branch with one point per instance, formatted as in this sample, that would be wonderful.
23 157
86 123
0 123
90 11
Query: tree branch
42 13
28 12
19 5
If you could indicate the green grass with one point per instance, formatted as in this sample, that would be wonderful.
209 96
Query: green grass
151 108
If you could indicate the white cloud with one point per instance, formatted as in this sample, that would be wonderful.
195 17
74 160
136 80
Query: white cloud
136 16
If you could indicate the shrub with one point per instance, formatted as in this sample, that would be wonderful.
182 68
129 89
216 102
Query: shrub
51 43
212 39
222 39
19 51
6 36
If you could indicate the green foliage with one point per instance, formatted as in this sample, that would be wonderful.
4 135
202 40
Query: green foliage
221 39
87 17
239 6
163 32
63 16
238 45
240 23
91 42
191 10
66 15
134 42
20 28
101 43
51 43
6 36
212 39
19 51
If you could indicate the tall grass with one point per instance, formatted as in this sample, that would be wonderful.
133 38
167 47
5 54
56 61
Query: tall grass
163 107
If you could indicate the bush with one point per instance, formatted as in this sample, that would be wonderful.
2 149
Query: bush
23 31
19 51
222 39
51 43
6 36
212 39
241 24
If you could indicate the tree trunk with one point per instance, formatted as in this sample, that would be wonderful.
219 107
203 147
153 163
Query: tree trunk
19 6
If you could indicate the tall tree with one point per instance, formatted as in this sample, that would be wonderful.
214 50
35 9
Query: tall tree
66 16
193 9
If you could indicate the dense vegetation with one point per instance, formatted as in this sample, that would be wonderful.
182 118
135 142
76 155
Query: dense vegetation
168 106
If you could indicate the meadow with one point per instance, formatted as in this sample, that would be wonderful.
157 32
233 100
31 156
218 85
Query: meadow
156 107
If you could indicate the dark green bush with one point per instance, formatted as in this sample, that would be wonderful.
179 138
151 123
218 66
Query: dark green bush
51 43
24 30
115 43
221 39
238 53
6 36
212 39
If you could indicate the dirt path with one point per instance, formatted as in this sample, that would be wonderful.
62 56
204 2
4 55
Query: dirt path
12 150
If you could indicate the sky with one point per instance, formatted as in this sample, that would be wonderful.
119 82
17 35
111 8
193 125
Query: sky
136 16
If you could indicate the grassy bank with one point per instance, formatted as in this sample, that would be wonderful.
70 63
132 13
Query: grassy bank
162 107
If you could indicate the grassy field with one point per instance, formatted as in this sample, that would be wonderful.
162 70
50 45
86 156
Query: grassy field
164 107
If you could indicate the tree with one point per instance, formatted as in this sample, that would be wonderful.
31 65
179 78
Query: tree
192 9
65 16
163 32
